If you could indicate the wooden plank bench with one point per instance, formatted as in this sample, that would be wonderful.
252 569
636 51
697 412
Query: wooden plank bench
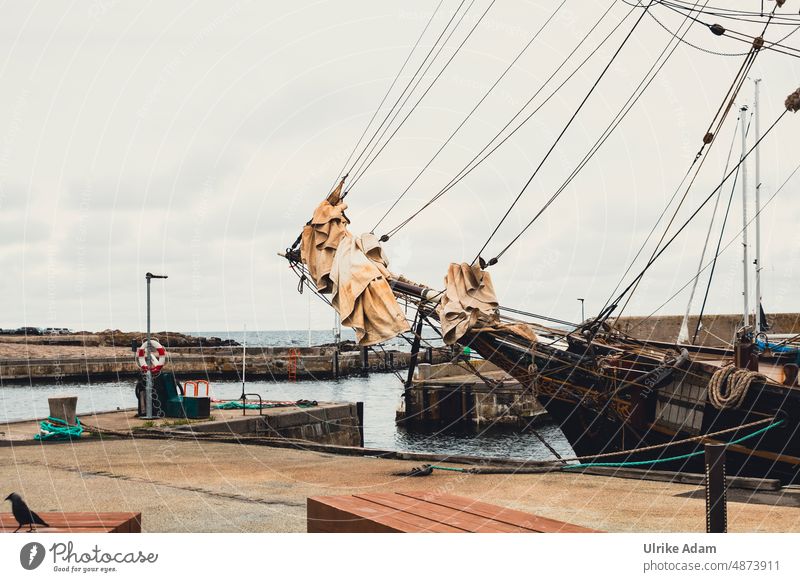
416 512
80 522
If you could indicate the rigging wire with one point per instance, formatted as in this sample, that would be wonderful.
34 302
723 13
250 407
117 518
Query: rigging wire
566 127
361 171
713 218
719 241
388 91
478 104
643 85
721 250
473 164
732 13
672 239
733 35
712 131
410 82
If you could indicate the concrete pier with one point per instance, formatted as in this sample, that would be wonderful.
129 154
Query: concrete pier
448 395
330 423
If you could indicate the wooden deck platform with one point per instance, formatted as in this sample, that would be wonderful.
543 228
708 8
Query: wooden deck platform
80 522
418 512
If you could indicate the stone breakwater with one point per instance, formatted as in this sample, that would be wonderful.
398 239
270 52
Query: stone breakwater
106 363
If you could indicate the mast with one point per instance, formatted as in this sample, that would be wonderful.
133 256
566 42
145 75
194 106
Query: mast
757 261
745 262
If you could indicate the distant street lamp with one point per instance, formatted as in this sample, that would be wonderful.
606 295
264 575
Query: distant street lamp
583 316
148 361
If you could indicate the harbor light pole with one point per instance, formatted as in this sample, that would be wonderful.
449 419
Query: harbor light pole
583 316
148 361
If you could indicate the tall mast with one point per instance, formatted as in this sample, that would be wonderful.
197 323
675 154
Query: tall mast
745 261
757 260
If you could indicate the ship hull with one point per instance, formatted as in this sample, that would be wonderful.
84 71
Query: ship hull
635 410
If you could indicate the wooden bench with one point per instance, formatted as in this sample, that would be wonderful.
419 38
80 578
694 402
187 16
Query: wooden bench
417 512
82 522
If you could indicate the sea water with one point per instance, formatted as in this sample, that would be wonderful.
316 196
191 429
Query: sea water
380 393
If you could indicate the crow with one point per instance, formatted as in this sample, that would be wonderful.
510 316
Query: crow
23 514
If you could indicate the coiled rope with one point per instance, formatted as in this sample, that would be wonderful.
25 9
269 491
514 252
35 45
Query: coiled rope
56 429
729 385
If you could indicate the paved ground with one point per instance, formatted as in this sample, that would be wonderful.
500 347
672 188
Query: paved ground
216 487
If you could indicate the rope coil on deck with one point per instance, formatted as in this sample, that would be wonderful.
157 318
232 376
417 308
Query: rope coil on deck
729 385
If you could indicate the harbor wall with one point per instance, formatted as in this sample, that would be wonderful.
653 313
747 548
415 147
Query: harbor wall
718 330
216 364
330 423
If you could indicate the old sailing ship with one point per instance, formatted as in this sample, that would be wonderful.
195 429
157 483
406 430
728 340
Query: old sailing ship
618 399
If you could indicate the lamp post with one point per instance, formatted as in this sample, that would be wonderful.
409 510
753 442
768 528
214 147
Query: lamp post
148 361
583 316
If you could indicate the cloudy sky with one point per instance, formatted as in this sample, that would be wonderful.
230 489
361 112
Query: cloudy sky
195 138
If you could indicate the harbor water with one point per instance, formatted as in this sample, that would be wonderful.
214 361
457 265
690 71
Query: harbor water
381 394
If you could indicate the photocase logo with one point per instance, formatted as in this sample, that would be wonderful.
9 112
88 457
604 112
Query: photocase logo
31 555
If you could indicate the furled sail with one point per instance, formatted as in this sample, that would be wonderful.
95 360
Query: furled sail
354 271
468 299
469 303
321 238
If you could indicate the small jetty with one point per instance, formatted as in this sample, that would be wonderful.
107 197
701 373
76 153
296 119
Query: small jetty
334 423
477 395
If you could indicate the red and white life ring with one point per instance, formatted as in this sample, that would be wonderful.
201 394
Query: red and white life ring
158 357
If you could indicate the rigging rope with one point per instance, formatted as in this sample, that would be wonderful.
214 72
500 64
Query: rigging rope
719 242
410 81
720 115
360 172
469 115
726 247
675 458
710 228
566 127
643 85
386 95
718 30
658 254
472 164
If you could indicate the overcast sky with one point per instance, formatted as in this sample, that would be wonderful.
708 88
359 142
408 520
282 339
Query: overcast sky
196 138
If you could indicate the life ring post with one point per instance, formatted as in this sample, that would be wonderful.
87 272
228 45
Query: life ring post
148 372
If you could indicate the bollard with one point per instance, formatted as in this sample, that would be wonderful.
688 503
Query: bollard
63 408
364 360
336 364
716 500
360 415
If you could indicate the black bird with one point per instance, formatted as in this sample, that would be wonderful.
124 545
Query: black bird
23 514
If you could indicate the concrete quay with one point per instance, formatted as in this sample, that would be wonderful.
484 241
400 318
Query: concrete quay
201 486
328 423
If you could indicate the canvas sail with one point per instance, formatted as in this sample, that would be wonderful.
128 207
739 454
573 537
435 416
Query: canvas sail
354 271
